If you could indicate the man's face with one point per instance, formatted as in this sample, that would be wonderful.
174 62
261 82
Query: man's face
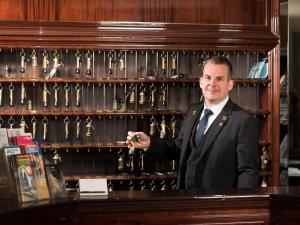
214 83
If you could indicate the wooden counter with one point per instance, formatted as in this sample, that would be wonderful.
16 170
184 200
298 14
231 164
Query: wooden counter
262 206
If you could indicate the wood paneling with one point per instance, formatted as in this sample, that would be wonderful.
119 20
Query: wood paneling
169 11
248 12
13 10
41 9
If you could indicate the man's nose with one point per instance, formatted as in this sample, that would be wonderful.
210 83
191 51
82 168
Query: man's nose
212 82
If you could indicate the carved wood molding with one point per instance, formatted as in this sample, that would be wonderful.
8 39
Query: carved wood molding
135 35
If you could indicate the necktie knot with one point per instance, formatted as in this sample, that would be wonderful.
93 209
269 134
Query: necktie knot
207 113
202 125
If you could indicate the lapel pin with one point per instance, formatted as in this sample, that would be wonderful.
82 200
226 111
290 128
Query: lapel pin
224 120
194 112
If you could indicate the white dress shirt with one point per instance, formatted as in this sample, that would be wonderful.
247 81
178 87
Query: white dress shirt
216 109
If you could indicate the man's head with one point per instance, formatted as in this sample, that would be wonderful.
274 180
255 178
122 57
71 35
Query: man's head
216 81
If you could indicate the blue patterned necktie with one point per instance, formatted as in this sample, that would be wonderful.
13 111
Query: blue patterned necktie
202 125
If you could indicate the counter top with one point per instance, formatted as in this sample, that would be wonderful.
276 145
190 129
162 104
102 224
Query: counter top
260 206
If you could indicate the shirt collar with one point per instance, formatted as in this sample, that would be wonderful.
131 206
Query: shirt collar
216 109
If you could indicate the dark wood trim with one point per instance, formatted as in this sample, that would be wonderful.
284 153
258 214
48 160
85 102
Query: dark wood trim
123 35
274 96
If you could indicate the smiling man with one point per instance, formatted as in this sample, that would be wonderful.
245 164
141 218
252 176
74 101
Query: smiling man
217 146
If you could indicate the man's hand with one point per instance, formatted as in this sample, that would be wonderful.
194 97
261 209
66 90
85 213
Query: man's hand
138 140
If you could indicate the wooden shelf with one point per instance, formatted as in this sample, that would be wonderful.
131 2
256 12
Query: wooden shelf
172 175
238 81
94 146
15 112
97 146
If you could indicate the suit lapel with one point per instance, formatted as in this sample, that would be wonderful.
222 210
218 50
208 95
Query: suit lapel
216 128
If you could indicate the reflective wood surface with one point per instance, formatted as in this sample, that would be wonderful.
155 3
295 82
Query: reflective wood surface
249 12
277 205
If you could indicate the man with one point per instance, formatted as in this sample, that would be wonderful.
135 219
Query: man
217 144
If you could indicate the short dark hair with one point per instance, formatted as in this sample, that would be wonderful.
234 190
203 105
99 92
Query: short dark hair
221 60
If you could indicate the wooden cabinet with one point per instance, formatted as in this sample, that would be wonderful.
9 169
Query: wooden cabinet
105 78
276 205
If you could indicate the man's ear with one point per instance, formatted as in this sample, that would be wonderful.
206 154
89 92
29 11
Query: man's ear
230 85
200 82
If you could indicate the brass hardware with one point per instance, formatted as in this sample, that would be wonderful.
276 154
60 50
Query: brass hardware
45 124
163 128
131 186
45 61
173 127
152 98
11 94
173 165
56 89
163 63
142 98
67 121
23 94
121 160
78 62
56 158
46 92
23 125
89 127
77 89
152 126
173 63
110 186
152 185
22 63
56 64
55 60
265 159
88 56
110 60
173 185
131 94
33 121
163 185
67 90
142 185
33 59
163 95
121 61
264 182
78 122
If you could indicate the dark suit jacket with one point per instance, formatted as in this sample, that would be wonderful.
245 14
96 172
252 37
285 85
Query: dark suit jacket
228 155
